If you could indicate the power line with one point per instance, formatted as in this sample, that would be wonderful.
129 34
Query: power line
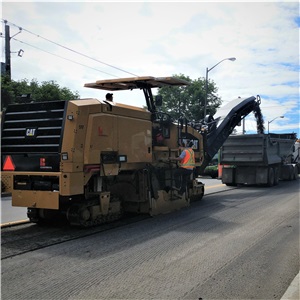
67 48
75 62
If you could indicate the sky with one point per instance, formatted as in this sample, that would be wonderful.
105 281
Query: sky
79 42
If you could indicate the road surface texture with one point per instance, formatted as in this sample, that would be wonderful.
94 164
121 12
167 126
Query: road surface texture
238 244
13 214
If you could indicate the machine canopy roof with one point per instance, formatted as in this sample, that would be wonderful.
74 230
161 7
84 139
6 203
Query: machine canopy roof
136 83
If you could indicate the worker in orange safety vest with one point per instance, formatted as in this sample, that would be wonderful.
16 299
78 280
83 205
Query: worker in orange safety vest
186 168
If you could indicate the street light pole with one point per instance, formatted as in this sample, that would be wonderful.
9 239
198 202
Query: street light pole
272 121
206 80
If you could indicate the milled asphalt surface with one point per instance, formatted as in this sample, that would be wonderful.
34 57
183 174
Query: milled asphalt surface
293 292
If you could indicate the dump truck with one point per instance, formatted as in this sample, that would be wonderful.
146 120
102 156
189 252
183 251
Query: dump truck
296 155
258 159
91 161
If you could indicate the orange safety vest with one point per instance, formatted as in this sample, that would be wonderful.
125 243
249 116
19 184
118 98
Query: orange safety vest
188 161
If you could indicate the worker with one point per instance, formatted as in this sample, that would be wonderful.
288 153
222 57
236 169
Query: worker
109 97
187 165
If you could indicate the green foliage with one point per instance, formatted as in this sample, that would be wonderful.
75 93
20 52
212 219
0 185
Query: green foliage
12 91
188 101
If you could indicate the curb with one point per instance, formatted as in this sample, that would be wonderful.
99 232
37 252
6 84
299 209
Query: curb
14 223
293 292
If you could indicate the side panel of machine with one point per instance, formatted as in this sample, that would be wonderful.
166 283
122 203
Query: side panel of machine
122 135
76 129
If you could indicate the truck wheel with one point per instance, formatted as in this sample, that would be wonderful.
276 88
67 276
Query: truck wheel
295 173
291 173
271 177
276 176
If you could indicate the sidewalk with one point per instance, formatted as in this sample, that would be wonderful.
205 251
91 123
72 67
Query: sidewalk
293 291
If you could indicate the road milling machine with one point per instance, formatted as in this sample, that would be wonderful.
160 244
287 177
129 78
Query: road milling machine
93 160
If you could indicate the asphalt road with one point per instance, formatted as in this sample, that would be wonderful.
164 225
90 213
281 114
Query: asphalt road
239 244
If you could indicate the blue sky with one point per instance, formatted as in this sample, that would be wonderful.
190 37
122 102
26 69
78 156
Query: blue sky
163 39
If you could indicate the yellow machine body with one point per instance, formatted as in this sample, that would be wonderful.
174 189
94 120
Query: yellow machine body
108 161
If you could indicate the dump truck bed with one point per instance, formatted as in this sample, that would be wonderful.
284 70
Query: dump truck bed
257 149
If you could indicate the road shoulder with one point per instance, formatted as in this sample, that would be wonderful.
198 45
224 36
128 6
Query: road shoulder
293 292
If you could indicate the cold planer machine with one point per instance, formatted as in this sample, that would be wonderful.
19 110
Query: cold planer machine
93 160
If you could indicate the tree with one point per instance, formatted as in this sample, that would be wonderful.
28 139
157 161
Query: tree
188 101
33 91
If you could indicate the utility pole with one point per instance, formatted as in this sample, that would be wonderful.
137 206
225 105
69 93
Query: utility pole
7 51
